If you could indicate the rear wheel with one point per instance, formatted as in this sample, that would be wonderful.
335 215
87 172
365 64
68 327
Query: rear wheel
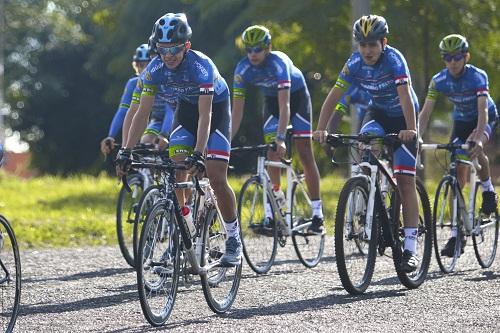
485 233
424 239
309 247
258 235
220 284
442 224
355 253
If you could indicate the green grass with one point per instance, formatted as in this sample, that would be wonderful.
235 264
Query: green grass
80 210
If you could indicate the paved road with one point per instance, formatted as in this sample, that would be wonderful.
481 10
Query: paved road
93 290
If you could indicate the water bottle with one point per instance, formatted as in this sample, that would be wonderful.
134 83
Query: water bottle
188 221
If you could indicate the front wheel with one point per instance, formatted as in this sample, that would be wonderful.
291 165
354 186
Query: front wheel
220 284
259 234
309 247
424 239
10 277
355 253
148 198
485 233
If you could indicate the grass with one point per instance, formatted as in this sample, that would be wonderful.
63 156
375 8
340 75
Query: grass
80 210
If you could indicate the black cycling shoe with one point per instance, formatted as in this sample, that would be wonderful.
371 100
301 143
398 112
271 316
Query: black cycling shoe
316 226
449 248
410 262
264 228
489 205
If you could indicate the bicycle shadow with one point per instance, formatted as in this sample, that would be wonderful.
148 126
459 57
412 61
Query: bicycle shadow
108 272
486 276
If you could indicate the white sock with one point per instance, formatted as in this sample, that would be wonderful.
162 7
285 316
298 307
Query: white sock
317 208
269 211
488 185
411 239
232 229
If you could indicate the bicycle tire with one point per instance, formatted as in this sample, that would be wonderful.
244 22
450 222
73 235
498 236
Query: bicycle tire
146 203
9 246
309 247
442 224
220 284
355 192
260 245
485 240
158 268
424 239
125 217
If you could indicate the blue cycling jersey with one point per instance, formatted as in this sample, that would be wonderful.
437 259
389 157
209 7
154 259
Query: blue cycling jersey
125 102
353 95
275 73
196 75
162 104
379 80
463 92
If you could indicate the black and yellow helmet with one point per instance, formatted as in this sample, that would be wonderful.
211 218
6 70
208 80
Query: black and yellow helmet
370 28
454 43
256 35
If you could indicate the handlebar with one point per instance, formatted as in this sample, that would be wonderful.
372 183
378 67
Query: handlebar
451 147
343 139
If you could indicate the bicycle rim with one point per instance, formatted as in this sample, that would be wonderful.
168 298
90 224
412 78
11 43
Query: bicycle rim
309 247
259 240
355 255
158 264
485 233
221 284
148 198
10 277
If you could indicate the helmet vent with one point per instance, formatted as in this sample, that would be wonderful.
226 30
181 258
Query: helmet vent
173 22
162 22
170 34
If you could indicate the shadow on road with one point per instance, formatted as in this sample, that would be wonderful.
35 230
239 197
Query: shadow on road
86 275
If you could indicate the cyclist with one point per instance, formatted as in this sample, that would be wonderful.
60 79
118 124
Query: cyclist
474 116
383 72
201 121
286 99
161 119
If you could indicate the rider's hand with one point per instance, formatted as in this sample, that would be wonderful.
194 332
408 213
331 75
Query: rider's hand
123 161
475 149
320 136
280 148
107 145
161 142
407 135
195 163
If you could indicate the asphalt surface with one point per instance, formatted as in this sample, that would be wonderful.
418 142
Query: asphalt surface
93 290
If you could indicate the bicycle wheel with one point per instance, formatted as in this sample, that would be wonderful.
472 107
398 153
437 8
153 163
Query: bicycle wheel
220 284
485 233
355 254
309 247
10 277
126 209
148 198
442 224
158 263
424 238
259 240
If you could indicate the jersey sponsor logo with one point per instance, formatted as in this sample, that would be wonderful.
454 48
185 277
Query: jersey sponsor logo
238 79
439 78
202 69
157 67
244 69
396 59
353 60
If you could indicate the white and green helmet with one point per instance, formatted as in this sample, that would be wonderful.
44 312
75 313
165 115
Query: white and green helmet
454 43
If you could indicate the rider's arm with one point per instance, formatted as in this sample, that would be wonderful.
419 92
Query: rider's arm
328 105
128 121
204 118
423 117
407 105
237 114
482 117
284 109
140 120
125 102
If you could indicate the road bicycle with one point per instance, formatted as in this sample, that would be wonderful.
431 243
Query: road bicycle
451 212
261 234
169 250
369 217
10 273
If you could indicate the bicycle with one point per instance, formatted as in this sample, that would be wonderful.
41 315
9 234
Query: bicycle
168 249
260 239
10 274
368 218
451 213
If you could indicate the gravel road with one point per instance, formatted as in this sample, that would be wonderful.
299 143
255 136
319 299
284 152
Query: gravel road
93 290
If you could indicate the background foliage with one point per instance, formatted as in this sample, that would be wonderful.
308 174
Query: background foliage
67 61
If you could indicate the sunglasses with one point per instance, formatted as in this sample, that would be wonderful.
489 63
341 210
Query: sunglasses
255 49
173 50
450 57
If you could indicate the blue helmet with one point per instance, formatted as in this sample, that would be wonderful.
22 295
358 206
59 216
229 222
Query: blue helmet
172 28
142 53
152 46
